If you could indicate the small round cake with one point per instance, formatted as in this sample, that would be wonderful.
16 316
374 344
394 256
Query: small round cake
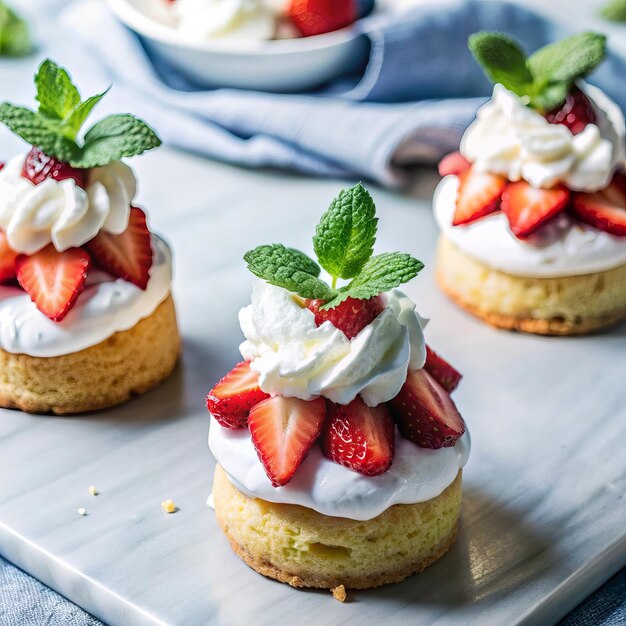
532 210
86 316
301 547
339 448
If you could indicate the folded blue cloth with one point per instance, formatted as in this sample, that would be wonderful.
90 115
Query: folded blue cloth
419 91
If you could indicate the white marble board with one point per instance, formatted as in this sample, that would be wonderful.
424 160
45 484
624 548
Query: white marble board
544 506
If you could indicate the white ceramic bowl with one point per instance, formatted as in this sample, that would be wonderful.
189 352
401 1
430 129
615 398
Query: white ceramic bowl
279 65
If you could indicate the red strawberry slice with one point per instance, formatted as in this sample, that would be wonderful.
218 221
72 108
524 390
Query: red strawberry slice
52 279
351 316
1 166
528 208
479 195
127 256
442 371
234 395
7 259
425 413
575 113
283 431
314 17
604 209
39 166
453 163
359 437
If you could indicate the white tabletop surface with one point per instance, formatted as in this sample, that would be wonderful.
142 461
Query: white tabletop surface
544 507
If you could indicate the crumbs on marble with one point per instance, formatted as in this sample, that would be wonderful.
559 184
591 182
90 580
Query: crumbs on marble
93 491
339 593
168 506
82 511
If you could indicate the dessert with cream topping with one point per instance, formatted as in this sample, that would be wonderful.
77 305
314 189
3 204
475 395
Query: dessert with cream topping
218 20
86 315
339 448
532 210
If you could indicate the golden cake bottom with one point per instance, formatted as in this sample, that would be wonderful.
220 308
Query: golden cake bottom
304 548
570 305
126 364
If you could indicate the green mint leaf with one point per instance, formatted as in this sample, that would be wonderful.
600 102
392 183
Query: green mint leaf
550 97
381 273
344 238
38 130
56 93
568 59
502 60
614 11
290 269
77 116
115 137
14 37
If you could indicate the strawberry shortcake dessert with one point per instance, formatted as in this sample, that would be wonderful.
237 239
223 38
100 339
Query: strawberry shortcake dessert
339 448
86 315
532 210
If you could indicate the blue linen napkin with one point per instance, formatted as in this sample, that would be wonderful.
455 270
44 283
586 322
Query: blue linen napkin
419 91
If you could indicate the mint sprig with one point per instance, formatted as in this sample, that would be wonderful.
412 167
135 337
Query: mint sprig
614 11
55 127
344 242
14 36
547 75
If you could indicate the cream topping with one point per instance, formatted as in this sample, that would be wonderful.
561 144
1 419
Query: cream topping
416 475
105 307
61 212
294 357
513 140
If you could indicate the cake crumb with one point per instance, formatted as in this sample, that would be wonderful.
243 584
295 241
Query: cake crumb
82 510
339 593
93 491
168 506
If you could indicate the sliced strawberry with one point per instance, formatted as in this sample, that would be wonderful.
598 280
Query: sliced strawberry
351 316
232 398
425 413
52 279
528 208
359 437
442 371
575 113
7 259
283 431
453 163
127 256
604 209
39 166
314 17
1 166
479 195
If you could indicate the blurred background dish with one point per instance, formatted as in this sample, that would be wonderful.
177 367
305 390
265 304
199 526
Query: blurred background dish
245 44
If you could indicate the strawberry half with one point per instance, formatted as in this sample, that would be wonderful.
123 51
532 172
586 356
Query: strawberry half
234 395
52 279
425 413
127 256
453 163
359 437
315 17
575 113
442 371
527 208
39 166
351 316
604 209
283 431
7 259
479 195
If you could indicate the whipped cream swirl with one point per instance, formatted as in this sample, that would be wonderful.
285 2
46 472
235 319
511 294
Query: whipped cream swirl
61 212
294 357
513 140
200 20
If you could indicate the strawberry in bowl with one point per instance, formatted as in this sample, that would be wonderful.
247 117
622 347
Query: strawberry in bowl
339 423
84 283
532 209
